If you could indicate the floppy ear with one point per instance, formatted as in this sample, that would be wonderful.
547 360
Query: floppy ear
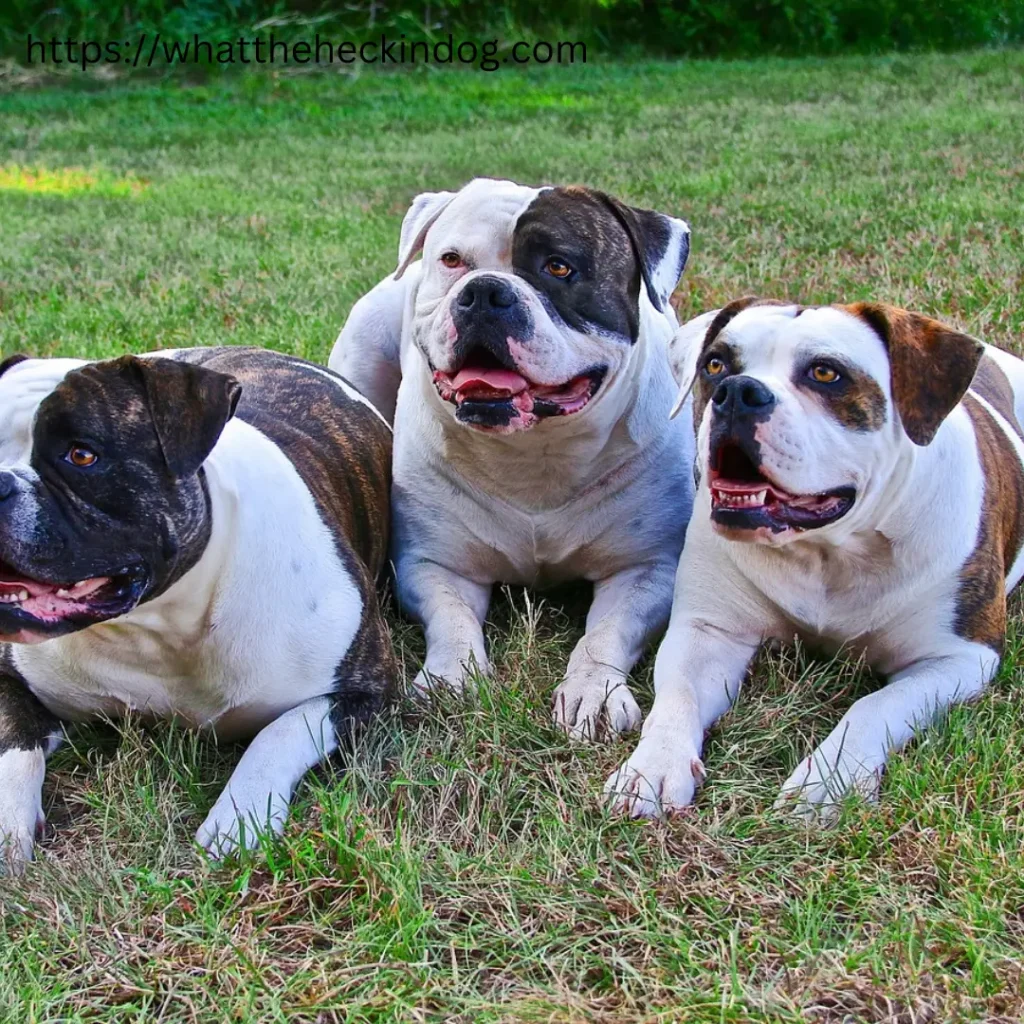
661 244
931 365
190 406
684 355
10 361
425 209
693 338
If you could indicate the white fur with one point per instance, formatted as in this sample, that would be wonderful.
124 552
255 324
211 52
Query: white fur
255 800
21 805
881 581
601 495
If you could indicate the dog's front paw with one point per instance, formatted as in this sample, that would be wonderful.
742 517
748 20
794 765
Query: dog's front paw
818 787
21 807
238 819
654 783
440 672
590 705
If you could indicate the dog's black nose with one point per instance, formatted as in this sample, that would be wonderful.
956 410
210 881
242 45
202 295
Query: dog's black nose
488 293
742 396
8 484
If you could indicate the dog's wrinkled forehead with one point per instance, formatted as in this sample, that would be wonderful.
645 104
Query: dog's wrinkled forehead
97 403
479 221
774 338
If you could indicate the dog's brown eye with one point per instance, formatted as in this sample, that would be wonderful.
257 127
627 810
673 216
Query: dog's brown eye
80 457
822 373
451 260
558 268
714 366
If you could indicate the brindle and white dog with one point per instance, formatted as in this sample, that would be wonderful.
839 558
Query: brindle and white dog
532 440
192 534
861 487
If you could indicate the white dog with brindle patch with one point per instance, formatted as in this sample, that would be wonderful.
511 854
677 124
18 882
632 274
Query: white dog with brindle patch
532 439
854 493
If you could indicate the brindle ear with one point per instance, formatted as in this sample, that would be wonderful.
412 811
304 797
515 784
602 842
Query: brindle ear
661 244
690 341
931 365
190 406
425 209
10 361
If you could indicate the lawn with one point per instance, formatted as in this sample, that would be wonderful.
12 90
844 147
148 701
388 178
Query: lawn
459 867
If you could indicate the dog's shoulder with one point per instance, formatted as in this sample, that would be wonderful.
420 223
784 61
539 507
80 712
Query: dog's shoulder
337 441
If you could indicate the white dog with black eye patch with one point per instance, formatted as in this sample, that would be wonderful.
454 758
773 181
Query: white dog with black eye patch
860 487
532 440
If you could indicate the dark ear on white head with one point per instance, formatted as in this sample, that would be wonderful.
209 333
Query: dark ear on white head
10 361
931 365
425 209
662 246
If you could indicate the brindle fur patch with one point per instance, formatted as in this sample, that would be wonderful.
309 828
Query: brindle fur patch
704 385
994 386
24 722
857 402
580 226
931 365
342 451
981 599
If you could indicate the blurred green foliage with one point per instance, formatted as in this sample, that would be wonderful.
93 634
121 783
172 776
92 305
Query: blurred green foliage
665 27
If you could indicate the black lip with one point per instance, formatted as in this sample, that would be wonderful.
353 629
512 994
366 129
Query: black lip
735 455
784 517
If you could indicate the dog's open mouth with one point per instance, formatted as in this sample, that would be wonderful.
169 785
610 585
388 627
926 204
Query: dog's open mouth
742 497
31 604
487 394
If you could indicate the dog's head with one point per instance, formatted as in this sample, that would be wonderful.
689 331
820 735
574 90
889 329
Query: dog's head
531 300
801 413
102 500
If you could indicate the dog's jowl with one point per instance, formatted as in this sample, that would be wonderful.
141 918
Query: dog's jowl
192 534
861 488
532 440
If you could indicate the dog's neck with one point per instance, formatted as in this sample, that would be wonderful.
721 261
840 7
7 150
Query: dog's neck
549 465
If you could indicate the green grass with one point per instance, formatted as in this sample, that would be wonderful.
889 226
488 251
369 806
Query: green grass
463 869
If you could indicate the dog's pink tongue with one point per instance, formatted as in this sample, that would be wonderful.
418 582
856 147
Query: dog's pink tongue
470 378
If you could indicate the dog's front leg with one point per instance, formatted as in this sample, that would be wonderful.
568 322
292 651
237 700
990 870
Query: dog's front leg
28 734
452 610
852 757
255 800
628 609
697 676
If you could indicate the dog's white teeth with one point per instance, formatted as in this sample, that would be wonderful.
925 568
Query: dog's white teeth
15 597
761 497
22 595
63 593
